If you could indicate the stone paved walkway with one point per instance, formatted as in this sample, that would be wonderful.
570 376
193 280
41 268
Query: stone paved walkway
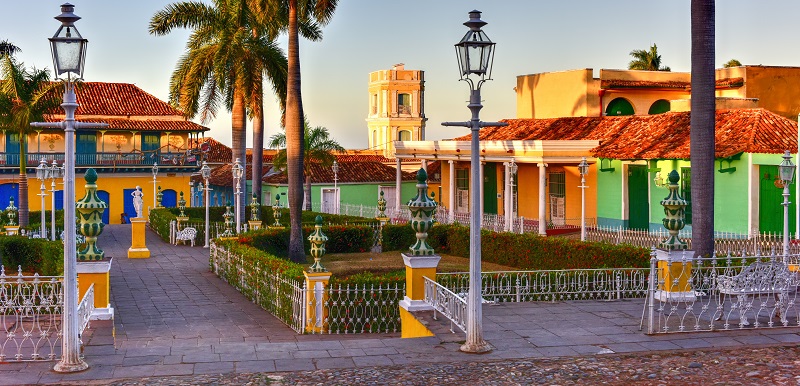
174 317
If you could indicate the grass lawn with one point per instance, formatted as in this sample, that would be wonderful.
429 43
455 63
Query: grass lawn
345 264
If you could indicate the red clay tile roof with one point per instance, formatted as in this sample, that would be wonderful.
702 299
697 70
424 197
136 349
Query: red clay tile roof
661 136
618 84
219 153
349 172
666 136
142 125
434 171
100 98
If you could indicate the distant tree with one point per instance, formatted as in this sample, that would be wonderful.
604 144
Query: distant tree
8 48
732 63
318 147
647 60
25 96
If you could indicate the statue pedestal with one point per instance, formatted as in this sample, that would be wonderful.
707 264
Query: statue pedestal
316 311
12 230
96 273
138 249
254 225
674 276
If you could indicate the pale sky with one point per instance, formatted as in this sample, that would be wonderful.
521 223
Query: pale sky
369 35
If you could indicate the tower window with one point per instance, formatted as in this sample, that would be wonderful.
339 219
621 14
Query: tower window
403 135
404 104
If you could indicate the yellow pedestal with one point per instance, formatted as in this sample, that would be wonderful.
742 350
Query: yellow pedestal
674 275
138 249
316 312
411 326
96 273
179 220
12 230
417 268
254 225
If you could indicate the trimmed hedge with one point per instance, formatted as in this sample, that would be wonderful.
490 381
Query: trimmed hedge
524 251
341 239
34 255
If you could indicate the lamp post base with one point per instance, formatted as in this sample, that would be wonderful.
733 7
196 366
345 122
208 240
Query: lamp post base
62 367
481 347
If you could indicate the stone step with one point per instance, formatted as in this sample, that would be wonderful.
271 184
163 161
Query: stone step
440 326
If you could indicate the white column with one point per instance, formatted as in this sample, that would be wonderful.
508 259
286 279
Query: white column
452 188
542 198
507 192
425 165
397 190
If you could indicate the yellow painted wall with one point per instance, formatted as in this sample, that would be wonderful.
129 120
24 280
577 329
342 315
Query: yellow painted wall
102 287
557 94
114 184
528 190
777 88
411 327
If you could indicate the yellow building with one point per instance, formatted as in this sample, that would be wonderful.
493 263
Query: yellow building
396 107
142 131
577 93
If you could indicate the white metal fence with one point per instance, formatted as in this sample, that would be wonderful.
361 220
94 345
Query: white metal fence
446 302
689 293
349 309
31 308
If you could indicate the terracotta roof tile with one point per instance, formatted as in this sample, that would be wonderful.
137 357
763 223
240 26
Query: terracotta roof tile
219 153
661 136
143 125
100 98
349 172
618 84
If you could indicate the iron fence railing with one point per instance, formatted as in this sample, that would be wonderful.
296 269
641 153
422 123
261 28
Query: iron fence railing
446 302
687 293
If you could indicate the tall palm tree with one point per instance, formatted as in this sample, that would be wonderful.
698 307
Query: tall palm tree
732 63
8 48
297 12
318 147
25 96
647 60
229 50
702 126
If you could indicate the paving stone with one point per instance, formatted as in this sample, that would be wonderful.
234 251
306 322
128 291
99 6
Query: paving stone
294 364
213 367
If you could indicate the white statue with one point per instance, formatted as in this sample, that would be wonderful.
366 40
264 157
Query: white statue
138 202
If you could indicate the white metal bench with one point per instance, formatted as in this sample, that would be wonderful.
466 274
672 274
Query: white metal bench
186 234
771 278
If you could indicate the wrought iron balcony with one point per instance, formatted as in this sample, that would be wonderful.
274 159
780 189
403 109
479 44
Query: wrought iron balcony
101 160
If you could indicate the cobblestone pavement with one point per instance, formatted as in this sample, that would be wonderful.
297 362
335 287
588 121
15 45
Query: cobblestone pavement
761 366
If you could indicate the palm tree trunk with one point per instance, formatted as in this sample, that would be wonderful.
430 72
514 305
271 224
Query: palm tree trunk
239 140
258 153
23 180
294 139
307 193
702 125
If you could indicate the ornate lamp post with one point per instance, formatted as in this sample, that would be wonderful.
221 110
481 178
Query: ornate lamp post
69 53
54 173
335 169
786 171
41 175
583 168
475 55
237 171
205 171
155 184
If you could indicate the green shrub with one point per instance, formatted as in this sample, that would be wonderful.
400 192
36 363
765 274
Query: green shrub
524 251
34 255
341 239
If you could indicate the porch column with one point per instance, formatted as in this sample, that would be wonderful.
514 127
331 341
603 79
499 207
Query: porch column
481 197
542 198
425 165
507 196
452 206
398 182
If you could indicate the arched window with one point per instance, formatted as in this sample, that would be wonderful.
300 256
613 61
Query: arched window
619 106
658 107
403 135
374 138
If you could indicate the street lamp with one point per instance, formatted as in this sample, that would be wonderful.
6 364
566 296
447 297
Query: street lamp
205 171
155 183
786 171
41 175
238 172
55 173
68 49
475 55
583 168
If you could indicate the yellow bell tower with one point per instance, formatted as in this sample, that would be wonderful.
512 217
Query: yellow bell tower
396 107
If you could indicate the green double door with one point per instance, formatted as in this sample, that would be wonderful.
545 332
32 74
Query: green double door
638 200
770 203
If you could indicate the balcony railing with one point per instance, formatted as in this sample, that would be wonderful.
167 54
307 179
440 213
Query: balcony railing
95 159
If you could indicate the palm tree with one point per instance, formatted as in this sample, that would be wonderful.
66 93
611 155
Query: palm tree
25 96
318 147
702 126
647 60
227 54
732 63
297 12
8 48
